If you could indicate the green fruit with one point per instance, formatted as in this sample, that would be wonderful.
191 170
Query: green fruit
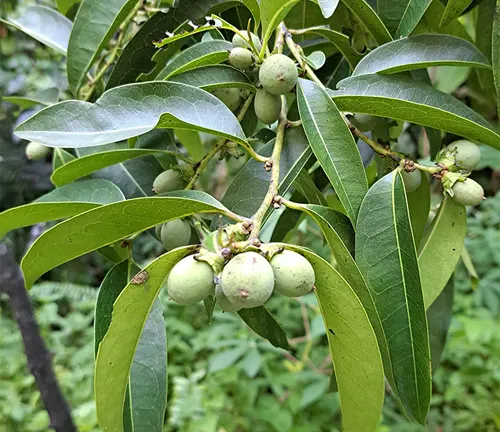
412 180
37 151
267 106
247 280
468 192
363 122
175 233
278 74
190 281
168 181
223 301
466 154
241 58
293 274
239 42
229 96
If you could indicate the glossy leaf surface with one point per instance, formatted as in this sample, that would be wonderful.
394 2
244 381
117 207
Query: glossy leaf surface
419 203
272 13
401 16
214 76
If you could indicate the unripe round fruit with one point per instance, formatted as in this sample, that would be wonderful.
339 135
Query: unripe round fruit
412 180
241 58
175 233
247 280
223 301
190 281
36 151
363 122
293 274
278 74
468 192
267 106
229 96
239 42
467 154
168 181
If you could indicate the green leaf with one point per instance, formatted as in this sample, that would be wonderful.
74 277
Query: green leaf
223 360
272 13
201 54
369 18
45 25
353 347
333 145
441 248
316 59
454 8
262 322
44 97
65 6
401 16
61 203
401 98
86 165
60 157
129 111
495 53
421 51
419 203
81 234
95 23
471 270
192 142
116 351
212 77
209 304
306 186
386 256
328 7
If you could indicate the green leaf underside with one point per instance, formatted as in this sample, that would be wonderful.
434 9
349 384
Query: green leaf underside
212 77
387 258
116 351
495 53
353 346
401 98
333 145
401 16
128 111
421 51
419 203
86 165
108 224
328 7
61 203
441 248
272 13
453 10
95 23
200 54
60 157
262 322
44 97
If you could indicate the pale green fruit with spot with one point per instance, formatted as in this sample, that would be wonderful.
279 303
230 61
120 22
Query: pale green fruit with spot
468 192
267 106
239 42
168 181
240 58
293 274
364 122
190 281
467 154
278 74
224 302
231 97
37 151
247 280
175 233
412 180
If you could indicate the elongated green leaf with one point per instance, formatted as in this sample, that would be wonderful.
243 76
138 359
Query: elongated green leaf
471 270
95 23
495 53
262 322
192 142
60 157
86 165
328 7
306 186
45 25
386 256
419 203
454 8
129 111
44 97
441 248
402 98
61 203
401 16
116 351
65 6
200 54
333 145
212 77
353 346
81 234
272 13
370 20
421 51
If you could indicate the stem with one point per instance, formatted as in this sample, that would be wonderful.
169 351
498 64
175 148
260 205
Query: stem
253 154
